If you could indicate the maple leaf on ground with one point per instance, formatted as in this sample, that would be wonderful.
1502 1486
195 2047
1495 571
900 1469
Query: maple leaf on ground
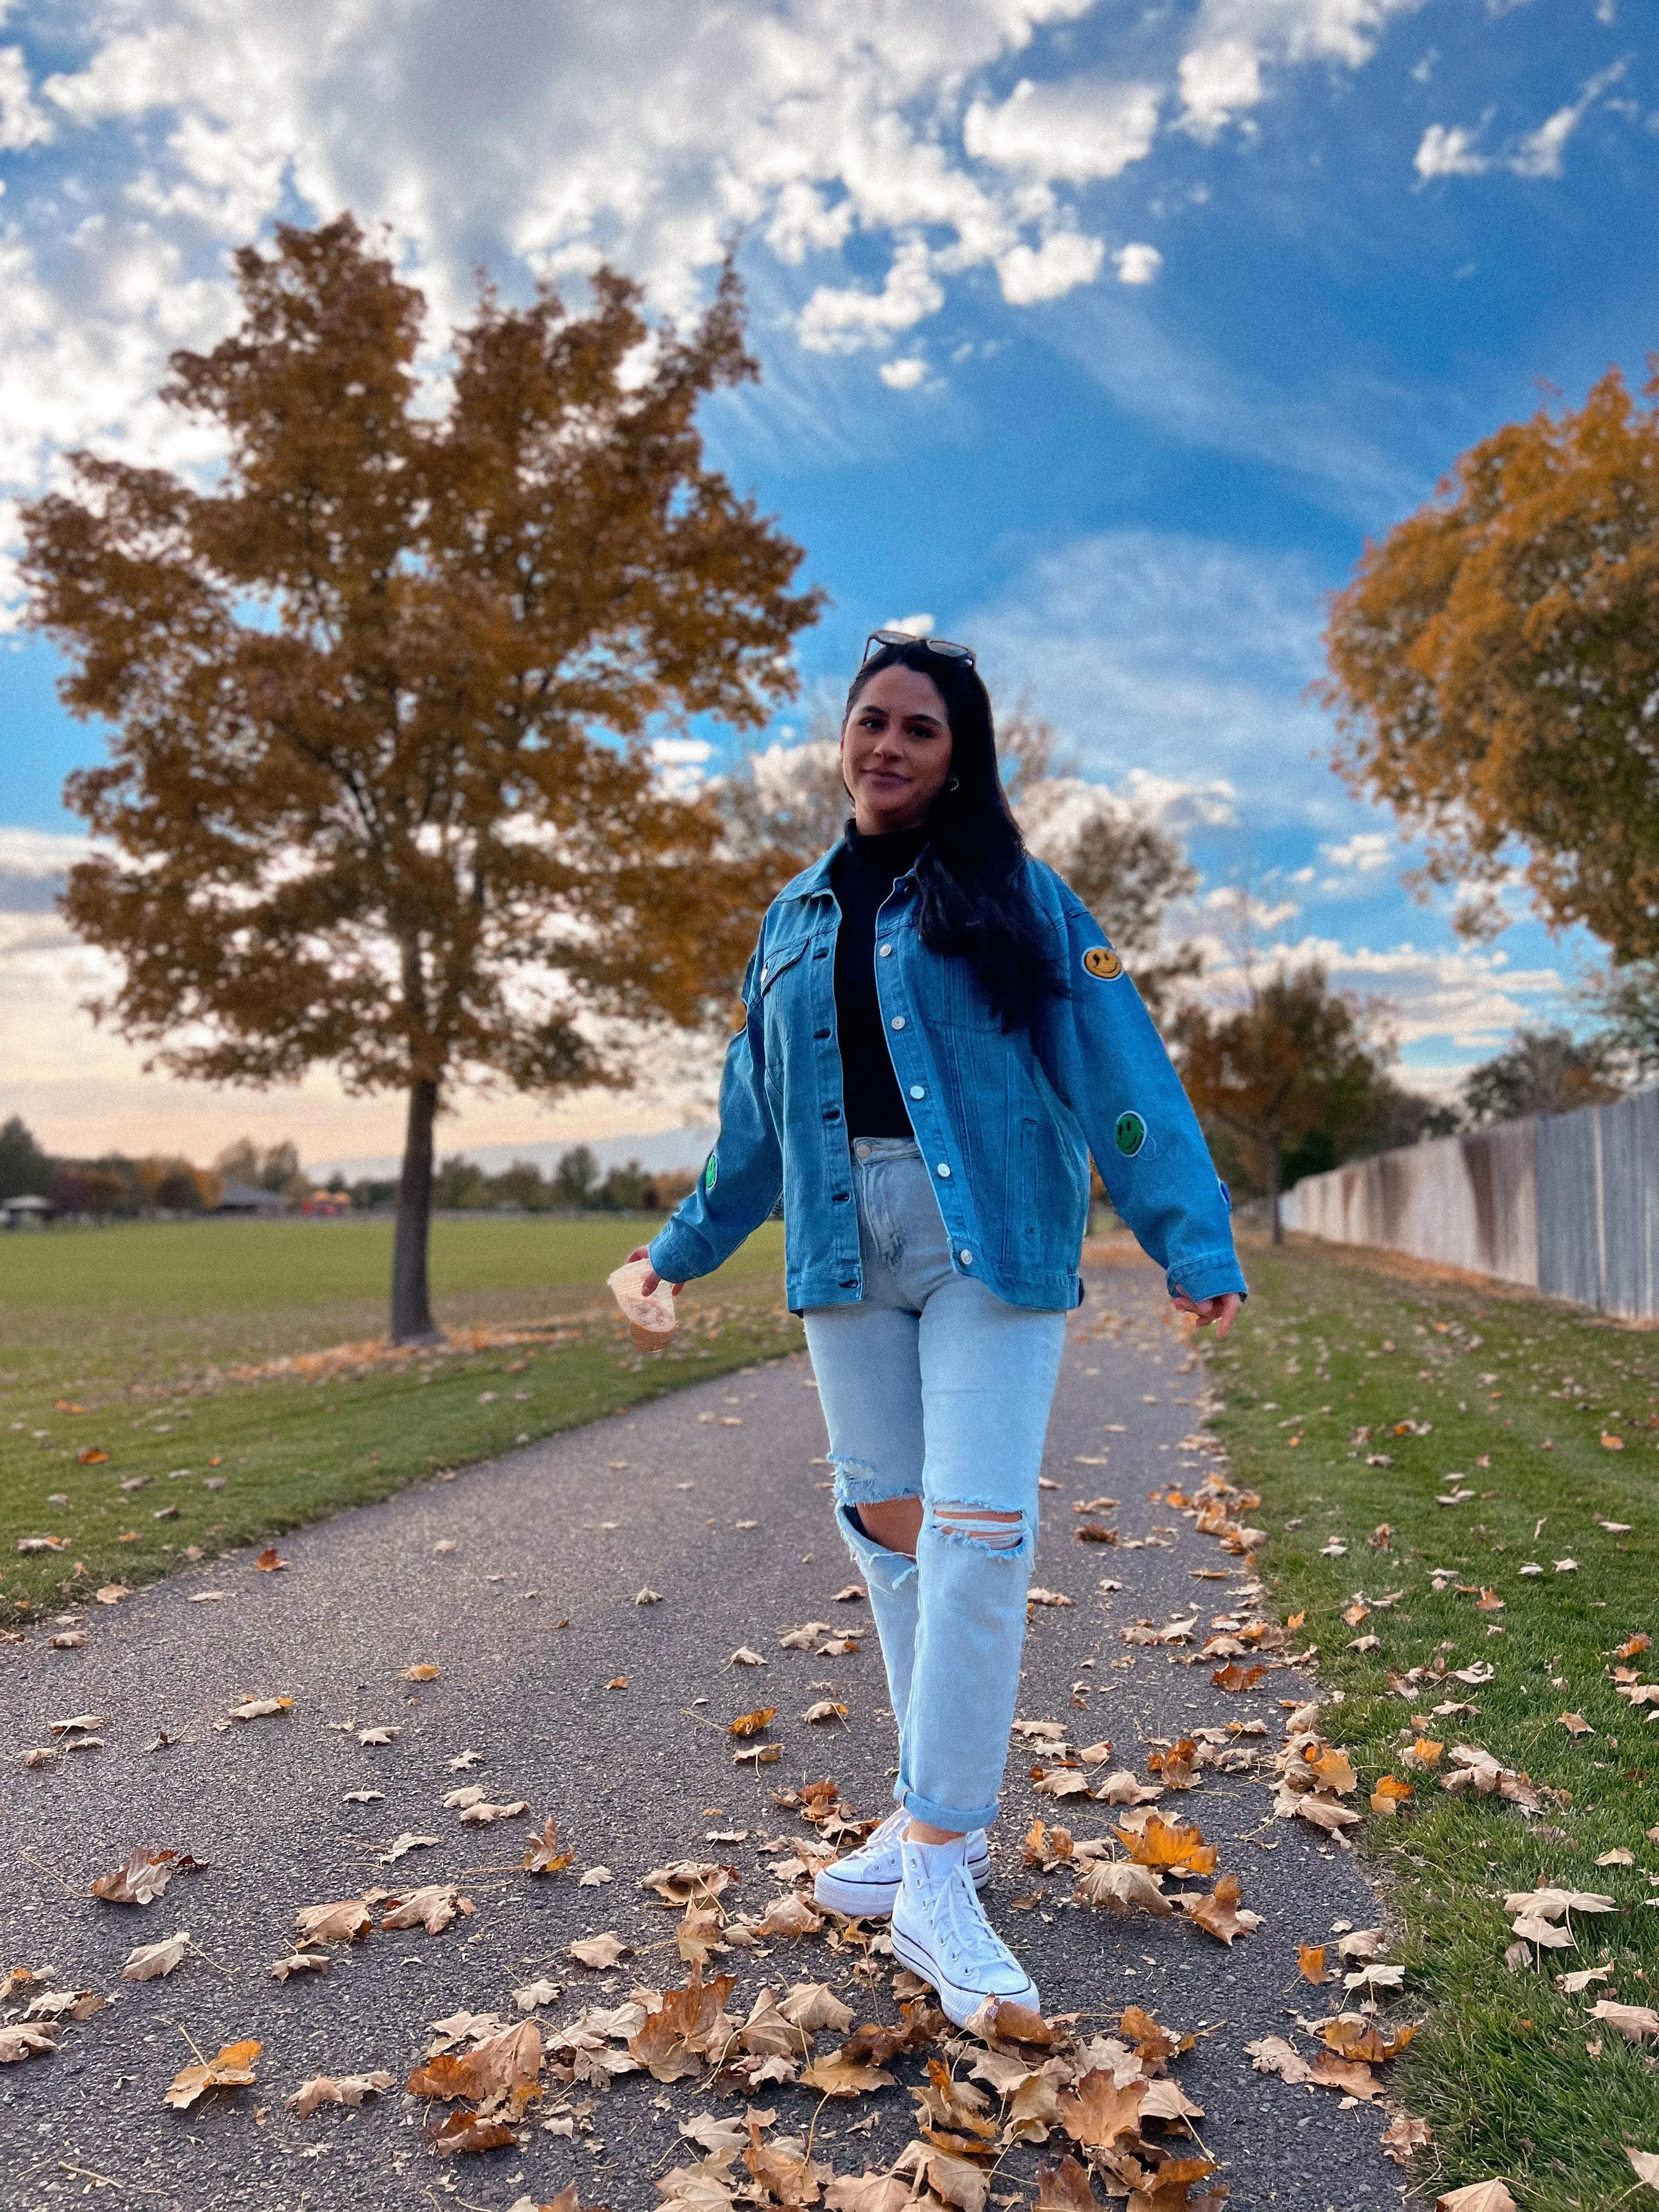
1389 1795
270 1561
1645 2164
151 1959
788 1916
1633 2021
1477 2197
688 1882
1066 2187
259 1709
1123 1788
674 2038
813 2005
1096 2113
753 1724
544 1855
501 2070
537 1993
403 1844
300 1962
232 2069
840 2076
866 2192
1220 1914
335 2089
1403 2137
1331 1768
1351 2037
485 1815
806 1637
601 1952
1232 1676
698 1935
1122 1886
955 2181
825 1710
1163 1843
19 2043
340 1923
782 2170
470 2131
432 1907
143 1879
744 1656
1310 1963
875 2045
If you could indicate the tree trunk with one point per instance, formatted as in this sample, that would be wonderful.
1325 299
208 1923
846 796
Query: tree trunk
1275 1152
411 1309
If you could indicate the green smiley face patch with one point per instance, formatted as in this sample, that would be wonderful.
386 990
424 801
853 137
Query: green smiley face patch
711 1172
1131 1134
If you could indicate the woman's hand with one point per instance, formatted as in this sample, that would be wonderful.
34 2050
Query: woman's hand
651 1278
1222 1312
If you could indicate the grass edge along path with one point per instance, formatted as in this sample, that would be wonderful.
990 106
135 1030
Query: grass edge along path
1362 1393
130 1485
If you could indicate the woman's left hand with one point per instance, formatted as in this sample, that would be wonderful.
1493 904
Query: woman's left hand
1222 1312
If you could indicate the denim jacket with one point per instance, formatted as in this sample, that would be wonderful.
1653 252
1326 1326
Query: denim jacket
1006 1120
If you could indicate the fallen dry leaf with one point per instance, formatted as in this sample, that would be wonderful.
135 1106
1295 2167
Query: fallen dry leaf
1645 2164
500 2069
601 1952
432 1907
743 1656
335 2089
825 1710
468 2131
1633 2021
232 2069
151 1959
17 2044
1232 1676
1163 1843
675 2038
424 1672
544 1855
1351 2037
143 1877
813 2005
342 1922
1122 1886
1220 1914
1403 2137
1479 2196
485 1815
1096 2113
372 1735
270 1561
300 1962
753 1724
688 1882
840 2076
1310 1963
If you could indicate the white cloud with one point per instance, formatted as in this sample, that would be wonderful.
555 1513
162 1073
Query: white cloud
844 320
904 374
1221 71
681 764
1083 128
1364 854
1449 153
1064 260
22 122
1137 264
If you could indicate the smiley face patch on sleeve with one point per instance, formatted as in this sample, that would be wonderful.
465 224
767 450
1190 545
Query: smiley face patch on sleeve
1130 1134
1101 961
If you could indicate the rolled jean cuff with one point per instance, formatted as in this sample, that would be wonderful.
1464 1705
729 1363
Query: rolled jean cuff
950 1817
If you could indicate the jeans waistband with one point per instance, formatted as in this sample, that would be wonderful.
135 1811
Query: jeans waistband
886 1148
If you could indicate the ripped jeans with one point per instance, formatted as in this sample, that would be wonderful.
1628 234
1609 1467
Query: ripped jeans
932 1386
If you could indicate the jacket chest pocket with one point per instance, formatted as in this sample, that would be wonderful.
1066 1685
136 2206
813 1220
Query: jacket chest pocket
778 965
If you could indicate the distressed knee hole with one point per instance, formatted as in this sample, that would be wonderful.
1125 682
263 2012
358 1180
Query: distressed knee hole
857 1483
979 1524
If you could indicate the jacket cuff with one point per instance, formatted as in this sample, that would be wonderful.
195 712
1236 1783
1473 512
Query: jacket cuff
676 1254
1210 1275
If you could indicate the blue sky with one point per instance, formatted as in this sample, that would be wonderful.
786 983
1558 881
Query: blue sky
1102 335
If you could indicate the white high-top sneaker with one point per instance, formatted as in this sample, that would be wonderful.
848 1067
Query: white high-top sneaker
866 1882
940 1932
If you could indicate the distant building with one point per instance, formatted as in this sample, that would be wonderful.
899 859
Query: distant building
26 1212
326 1205
249 1197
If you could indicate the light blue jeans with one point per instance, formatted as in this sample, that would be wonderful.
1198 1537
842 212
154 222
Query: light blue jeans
933 1388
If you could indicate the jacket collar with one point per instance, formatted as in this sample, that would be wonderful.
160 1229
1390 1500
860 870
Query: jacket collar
812 880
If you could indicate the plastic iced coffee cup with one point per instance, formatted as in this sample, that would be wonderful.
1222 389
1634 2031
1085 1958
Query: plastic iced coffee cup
651 1321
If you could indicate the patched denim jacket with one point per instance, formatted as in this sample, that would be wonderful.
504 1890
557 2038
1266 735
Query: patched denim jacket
1005 1122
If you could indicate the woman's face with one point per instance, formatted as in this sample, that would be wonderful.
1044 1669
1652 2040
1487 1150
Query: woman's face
895 750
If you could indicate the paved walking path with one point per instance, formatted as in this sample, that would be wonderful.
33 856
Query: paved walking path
518 1580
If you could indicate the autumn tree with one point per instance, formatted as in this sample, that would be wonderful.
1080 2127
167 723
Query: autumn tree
1495 668
1542 1072
380 793
1293 1062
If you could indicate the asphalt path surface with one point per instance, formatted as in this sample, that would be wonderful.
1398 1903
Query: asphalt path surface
716 1497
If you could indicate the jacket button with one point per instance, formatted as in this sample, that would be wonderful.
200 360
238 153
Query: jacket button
886 951
944 1168
765 972
832 1114
898 1021
918 1090
965 1256
818 1036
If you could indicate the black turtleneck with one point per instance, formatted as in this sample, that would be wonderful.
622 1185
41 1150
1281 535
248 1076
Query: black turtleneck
861 876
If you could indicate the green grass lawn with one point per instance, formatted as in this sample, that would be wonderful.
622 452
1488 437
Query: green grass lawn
1509 1399
135 1341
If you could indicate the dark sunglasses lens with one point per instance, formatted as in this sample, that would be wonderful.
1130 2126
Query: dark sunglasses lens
941 646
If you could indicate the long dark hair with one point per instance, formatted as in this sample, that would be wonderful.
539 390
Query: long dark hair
972 899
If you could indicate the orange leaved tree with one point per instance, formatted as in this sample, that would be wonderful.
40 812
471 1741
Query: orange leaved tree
1495 666
381 793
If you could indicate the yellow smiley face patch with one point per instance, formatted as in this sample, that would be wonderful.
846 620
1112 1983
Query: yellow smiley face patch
1100 960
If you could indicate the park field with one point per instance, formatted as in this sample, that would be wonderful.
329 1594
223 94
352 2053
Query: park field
1459 1487
172 1390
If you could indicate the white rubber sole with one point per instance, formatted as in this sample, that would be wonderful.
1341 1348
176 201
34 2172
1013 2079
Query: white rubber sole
958 2005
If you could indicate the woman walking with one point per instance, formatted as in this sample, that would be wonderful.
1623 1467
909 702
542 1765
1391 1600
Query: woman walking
936 1035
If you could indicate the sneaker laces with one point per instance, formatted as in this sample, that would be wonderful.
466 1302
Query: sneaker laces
891 1830
963 1934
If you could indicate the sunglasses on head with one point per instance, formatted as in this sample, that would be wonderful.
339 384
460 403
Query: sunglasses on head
941 646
